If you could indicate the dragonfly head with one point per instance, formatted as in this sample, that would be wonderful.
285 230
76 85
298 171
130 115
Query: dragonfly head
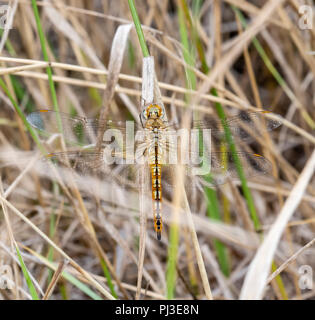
152 112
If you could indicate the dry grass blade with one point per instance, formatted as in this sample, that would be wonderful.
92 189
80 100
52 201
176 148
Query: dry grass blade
148 81
200 261
122 76
243 41
256 277
22 68
216 270
55 279
114 67
69 31
13 244
73 263
290 260
9 23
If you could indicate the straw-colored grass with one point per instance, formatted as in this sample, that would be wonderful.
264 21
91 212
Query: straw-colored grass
90 236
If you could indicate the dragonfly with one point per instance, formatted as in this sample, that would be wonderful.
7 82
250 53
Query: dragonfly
153 142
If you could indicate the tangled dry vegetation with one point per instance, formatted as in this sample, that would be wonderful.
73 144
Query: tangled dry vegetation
93 234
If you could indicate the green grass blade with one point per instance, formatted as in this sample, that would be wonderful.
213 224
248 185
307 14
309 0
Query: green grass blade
279 282
238 165
283 84
18 89
187 52
171 273
67 276
22 116
81 286
64 294
135 17
214 213
213 203
21 93
109 279
27 277
43 42
275 73
227 131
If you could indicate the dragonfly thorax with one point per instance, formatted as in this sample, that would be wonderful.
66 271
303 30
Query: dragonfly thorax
154 124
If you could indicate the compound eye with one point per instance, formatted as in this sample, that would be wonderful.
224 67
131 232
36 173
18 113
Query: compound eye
144 113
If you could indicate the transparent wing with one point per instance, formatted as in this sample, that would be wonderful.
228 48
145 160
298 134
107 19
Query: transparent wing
78 130
216 170
222 165
82 161
91 162
81 130
244 126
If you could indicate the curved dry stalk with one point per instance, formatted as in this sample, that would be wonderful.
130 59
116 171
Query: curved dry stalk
54 280
115 62
256 277
12 70
289 261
